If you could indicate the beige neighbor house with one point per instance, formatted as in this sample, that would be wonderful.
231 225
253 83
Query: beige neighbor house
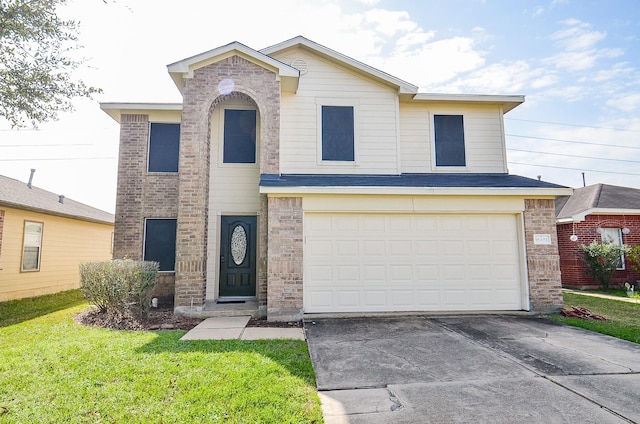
302 181
43 239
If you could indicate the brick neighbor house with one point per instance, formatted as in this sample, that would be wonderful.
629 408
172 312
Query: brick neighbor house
299 180
600 212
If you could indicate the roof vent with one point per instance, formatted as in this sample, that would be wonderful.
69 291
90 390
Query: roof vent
61 198
33 171
300 65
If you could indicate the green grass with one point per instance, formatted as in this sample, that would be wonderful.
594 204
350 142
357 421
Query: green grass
623 318
53 370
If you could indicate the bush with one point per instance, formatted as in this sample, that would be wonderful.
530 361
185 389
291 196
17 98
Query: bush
123 286
602 260
633 257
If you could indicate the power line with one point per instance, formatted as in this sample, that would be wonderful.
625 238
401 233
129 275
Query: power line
574 169
572 125
574 156
573 141
53 159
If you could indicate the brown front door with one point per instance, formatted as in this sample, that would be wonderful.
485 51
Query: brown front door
238 256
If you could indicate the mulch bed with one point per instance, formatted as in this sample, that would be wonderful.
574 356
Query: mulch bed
159 319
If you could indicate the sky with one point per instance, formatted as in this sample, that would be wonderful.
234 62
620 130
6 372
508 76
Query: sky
577 62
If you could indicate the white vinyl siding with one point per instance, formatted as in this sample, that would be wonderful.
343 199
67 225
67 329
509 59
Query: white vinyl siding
376 122
411 262
484 137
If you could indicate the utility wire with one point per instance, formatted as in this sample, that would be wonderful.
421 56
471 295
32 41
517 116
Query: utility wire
52 159
573 156
573 169
573 141
572 125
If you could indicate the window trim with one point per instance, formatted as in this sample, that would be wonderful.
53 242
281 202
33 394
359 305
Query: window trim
24 239
237 106
341 103
618 240
149 149
144 241
432 131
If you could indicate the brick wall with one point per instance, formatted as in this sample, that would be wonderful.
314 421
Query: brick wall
200 97
574 270
141 195
542 260
284 297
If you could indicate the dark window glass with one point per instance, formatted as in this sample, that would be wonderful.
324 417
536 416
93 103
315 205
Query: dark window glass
449 139
337 133
164 145
239 136
160 242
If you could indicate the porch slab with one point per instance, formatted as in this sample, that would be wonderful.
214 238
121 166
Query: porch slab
213 334
223 322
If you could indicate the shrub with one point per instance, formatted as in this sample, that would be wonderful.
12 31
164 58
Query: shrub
123 286
602 260
633 257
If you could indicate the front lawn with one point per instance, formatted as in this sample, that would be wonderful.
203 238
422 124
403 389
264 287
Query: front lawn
53 370
623 318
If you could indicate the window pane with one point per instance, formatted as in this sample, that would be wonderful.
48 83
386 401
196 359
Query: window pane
164 146
239 136
32 245
449 140
337 133
613 235
160 242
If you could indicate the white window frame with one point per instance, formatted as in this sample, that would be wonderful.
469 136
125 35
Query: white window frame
432 133
32 241
337 102
613 235
237 106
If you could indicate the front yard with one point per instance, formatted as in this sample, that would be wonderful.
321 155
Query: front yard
623 318
54 370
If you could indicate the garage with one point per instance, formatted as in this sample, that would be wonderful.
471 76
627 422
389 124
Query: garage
377 262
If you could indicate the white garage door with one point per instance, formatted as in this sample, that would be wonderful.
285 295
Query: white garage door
401 262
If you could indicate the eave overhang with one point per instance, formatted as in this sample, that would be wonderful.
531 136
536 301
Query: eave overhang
508 102
116 110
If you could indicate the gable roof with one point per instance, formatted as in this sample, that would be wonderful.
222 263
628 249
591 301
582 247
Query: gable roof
17 194
184 68
300 41
598 198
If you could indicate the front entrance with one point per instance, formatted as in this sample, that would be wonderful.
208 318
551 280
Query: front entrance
238 256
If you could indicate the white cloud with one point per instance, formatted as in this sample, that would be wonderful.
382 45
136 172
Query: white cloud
389 23
578 37
627 103
581 60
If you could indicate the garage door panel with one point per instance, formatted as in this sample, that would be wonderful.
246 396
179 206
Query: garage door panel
411 262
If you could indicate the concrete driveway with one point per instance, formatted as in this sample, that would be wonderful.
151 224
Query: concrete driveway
471 369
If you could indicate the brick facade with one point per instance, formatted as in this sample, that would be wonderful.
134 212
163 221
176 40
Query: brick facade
141 195
574 270
284 297
200 98
543 266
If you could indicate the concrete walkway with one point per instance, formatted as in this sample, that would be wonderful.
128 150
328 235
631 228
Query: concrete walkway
235 328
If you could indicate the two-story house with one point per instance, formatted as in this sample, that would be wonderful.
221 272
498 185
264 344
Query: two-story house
309 182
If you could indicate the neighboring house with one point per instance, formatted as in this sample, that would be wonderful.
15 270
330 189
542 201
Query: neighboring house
43 239
311 182
600 212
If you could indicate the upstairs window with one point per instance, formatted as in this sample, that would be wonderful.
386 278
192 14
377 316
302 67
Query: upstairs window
160 242
338 133
164 147
449 140
239 136
32 246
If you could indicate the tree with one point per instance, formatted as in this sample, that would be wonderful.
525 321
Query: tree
35 65
603 259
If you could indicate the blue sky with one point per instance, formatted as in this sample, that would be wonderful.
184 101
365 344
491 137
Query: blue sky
576 61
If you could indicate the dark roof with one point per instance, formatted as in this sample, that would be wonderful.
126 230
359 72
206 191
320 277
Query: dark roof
600 196
405 180
17 194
